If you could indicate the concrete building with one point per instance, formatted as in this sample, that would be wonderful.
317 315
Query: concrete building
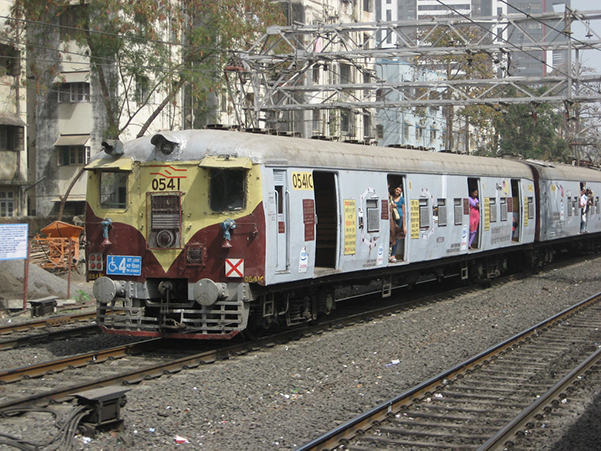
13 128
339 124
419 127
67 114
534 64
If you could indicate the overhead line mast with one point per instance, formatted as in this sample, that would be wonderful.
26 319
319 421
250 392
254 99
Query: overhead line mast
277 68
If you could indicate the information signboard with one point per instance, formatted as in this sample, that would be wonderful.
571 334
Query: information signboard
13 241
124 265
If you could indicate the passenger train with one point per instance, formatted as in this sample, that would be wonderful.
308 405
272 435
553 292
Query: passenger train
205 234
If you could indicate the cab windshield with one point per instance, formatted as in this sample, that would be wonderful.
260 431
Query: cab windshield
113 189
227 189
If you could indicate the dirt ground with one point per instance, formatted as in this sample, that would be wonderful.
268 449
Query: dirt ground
41 284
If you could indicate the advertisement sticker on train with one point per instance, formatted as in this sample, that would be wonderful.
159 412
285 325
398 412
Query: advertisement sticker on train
302 180
124 265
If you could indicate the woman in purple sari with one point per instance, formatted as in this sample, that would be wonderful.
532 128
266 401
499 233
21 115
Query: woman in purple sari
474 215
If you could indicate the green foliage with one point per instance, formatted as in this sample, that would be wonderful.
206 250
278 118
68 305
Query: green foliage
82 296
532 131
175 45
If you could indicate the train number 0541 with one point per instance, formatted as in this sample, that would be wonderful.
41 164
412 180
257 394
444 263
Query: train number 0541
162 184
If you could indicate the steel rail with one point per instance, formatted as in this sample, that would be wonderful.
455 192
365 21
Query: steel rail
510 430
48 322
193 361
49 336
40 369
347 431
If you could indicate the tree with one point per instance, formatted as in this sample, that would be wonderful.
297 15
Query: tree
142 50
469 64
532 131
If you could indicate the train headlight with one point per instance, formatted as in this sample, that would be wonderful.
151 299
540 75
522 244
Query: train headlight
113 147
165 142
165 238
195 254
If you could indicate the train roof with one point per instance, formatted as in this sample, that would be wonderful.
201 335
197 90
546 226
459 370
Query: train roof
557 171
270 150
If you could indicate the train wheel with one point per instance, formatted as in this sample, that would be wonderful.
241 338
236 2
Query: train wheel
252 332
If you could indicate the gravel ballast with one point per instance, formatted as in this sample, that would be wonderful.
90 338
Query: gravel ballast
287 395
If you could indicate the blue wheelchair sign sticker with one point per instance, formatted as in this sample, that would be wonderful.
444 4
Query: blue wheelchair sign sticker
124 265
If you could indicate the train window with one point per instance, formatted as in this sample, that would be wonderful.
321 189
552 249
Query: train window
113 189
442 212
503 209
530 208
596 205
574 200
227 189
373 215
424 214
458 211
492 204
569 206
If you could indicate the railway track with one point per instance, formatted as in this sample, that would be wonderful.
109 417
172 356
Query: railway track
133 363
45 330
129 369
492 401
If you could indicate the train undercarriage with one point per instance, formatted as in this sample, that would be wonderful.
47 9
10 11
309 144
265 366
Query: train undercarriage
172 308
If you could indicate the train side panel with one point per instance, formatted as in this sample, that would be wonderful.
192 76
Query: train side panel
560 190
324 221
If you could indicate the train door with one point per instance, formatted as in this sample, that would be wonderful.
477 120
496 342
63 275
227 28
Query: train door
326 210
398 249
475 221
283 220
516 210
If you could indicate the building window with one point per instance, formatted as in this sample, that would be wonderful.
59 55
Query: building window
345 121
10 61
73 20
367 130
316 121
345 73
432 135
72 155
419 133
11 138
367 5
315 71
142 89
7 204
74 93
406 131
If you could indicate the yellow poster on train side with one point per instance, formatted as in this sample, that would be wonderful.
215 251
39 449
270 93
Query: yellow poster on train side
350 227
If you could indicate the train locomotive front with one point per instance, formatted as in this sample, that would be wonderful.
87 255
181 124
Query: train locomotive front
167 227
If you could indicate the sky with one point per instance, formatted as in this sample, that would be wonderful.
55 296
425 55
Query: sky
588 58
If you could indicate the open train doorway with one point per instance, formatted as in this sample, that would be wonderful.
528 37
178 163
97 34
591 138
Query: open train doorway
326 209
475 208
396 192
516 210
